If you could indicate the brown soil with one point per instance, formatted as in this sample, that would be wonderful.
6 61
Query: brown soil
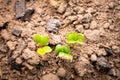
97 59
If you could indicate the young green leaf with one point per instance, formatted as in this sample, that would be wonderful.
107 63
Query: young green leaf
65 56
41 40
44 40
47 49
59 48
44 50
37 38
75 38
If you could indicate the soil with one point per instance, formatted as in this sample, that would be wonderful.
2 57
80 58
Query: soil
97 59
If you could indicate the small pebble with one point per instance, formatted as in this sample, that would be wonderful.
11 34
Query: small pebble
93 57
53 25
61 72
16 32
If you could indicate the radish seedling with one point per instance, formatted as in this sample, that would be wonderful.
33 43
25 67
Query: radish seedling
75 38
42 41
63 52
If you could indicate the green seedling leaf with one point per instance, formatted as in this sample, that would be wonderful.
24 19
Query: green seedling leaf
41 51
75 38
44 50
81 38
47 49
65 56
37 38
41 40
44 40
59 48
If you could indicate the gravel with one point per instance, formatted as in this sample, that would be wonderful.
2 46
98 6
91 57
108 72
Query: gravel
53 25
93 57
16 32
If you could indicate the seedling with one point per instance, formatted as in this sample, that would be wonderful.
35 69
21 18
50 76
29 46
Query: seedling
41 40
75 38
63 52
42 51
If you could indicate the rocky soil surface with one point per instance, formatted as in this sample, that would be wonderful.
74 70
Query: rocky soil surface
97 59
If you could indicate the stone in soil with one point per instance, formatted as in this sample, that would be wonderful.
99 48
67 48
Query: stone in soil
102 64
108 51
61 72
53 25
3 25
50 76
16 32
92 35
28 14
3 48
112 72
19 8
93 57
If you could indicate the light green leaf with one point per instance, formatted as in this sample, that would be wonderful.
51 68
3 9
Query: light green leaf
47 49
59 48
37 38
41 51
44 40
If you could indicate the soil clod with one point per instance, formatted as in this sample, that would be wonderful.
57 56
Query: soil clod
19 9
16 32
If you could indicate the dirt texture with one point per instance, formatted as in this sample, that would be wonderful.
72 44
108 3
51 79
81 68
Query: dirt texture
97 59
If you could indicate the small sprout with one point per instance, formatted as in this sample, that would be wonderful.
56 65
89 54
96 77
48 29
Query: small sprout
63 52
59 48
41 40
44 50
55 2
75 38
